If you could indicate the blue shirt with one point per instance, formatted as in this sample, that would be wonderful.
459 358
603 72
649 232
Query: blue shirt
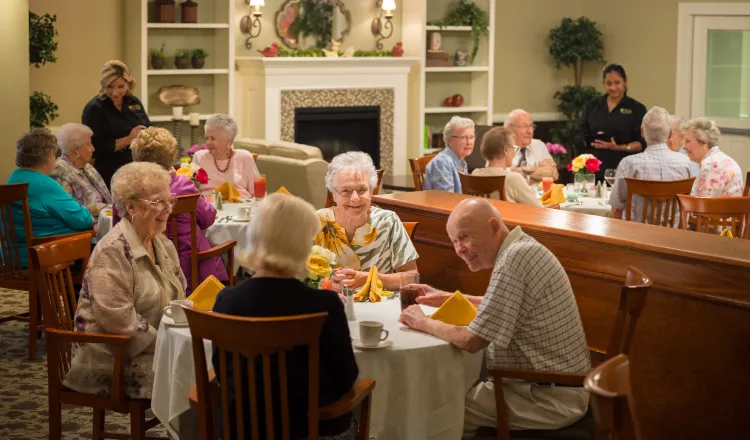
53 211
442 172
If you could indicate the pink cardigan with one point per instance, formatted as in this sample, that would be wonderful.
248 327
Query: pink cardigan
241 173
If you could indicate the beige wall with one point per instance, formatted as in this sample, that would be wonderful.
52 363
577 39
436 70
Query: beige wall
90 32
14 87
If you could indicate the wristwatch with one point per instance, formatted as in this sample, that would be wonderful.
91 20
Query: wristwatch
627 146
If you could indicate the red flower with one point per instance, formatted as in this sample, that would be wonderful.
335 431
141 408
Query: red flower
570 167
201 176
592 165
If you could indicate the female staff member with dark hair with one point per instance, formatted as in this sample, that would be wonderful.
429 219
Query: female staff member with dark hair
610 126
116 117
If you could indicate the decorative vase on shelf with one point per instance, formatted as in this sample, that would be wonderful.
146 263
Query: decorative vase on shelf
182 62
189 12
198 63
157 63
164 11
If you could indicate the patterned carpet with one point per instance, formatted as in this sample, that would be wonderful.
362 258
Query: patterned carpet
23 388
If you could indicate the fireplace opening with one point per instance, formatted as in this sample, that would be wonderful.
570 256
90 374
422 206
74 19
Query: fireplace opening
336 130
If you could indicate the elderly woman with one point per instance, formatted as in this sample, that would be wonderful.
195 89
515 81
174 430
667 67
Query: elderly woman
222 162
116 117
132 275
676 141
442 171
360 235
53 211
720 175
74 172
497 149
157 145
281 233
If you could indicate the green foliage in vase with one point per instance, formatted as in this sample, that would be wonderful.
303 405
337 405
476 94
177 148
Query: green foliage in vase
179 53
300 53
467 13
199 53
42 110
315 19
158 52
42 44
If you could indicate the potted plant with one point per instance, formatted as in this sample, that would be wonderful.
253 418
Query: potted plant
181 60
42 47
467 13
157 58
199 58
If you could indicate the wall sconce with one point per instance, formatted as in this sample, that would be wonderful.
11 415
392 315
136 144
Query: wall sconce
378 25
251 25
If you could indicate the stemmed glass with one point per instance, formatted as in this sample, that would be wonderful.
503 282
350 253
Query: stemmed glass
610 175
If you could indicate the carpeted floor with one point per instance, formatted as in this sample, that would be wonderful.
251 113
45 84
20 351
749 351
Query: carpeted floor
23 386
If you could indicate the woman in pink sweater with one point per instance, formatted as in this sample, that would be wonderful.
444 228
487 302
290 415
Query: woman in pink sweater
224 163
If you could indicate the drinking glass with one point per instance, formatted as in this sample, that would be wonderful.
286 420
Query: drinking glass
610 175
408 295
259 187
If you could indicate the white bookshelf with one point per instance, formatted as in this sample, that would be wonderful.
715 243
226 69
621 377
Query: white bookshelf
214 33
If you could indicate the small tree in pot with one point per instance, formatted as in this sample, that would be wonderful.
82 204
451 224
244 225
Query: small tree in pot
181 60
42 47
199 58
157 58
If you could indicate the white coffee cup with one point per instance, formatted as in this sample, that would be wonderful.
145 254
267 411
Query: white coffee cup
371 333
175 310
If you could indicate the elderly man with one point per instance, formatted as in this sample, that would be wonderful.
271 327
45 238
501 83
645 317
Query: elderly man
527 319
657 162
677 139
530 153
442 171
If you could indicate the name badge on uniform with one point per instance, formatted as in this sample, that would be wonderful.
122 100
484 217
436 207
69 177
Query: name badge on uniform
134 107
626 111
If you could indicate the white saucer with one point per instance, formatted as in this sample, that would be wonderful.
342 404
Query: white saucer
169 321
382 344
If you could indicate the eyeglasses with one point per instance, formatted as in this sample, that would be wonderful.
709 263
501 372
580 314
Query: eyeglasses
348 192
161 204
526 126
464 138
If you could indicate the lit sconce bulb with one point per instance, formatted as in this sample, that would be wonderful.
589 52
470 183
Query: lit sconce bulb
389 6
256 4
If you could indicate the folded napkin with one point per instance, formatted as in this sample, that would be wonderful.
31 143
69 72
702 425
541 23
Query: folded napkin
554 195
457 310
228 193
372 289
283 190
204 296
727 233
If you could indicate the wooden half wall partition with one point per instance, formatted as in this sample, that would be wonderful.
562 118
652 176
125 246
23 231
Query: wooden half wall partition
691 351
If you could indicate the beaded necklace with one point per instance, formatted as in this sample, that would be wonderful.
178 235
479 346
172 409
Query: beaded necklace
231 153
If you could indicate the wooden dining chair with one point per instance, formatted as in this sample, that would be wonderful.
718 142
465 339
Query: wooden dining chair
375 191
611 398
418 168
632 301
746 192
715 214
482 186
187 205
52 264
659 200
255 156
266 338
411 228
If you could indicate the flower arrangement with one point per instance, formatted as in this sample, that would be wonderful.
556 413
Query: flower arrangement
557 151
192 171
585 164
320 264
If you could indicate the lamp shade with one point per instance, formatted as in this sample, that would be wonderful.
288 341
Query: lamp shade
257 3
389 5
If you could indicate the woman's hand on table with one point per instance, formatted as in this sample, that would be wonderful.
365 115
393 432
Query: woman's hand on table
413 317
352 277
430 296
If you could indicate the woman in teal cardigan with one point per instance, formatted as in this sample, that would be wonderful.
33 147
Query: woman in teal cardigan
53 211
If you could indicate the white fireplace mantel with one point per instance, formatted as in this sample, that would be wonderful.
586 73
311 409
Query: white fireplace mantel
290 73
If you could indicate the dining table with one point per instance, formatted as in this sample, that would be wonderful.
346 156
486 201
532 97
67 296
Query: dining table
420 380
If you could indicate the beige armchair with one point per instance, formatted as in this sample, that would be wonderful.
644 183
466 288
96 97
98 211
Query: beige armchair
299 168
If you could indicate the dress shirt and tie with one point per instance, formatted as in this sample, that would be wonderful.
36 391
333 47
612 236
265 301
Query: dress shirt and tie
442 172
533 154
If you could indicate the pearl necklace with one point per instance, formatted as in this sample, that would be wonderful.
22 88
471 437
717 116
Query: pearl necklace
231 153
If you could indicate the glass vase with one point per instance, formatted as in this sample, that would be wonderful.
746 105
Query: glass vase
584 183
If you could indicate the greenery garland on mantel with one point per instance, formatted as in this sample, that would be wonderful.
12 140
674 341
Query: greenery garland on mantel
467 13
315 52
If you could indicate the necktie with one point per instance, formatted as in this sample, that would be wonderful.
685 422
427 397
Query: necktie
522 162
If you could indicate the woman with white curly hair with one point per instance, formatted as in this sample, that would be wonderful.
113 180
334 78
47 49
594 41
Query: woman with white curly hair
360 235
719 175
73 169
442 171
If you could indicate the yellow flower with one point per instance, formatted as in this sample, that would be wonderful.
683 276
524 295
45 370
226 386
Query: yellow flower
318 267
184 171
579 163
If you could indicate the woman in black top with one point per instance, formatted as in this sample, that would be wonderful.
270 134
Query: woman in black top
610 127
116 117
282 234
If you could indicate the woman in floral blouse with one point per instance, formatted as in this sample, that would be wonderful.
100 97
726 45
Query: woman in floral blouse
74 172
720 175
133 273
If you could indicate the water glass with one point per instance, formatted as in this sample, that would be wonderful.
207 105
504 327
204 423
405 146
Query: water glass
408 295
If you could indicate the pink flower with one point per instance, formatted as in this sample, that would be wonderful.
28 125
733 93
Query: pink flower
192 150
592 165
570 167
201 176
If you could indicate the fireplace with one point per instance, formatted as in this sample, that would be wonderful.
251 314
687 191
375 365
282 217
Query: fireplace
337 130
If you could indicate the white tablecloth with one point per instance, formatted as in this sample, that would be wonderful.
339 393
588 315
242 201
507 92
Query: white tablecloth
420 386
589 205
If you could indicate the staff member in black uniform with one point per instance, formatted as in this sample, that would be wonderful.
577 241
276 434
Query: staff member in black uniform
116 117
610 127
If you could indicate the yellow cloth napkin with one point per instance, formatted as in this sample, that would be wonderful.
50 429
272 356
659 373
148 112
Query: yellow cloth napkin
229 193
554 195
727 233
204 296
372 289
283 190
457 310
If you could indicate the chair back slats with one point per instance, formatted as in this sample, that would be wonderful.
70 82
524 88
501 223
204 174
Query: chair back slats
659 199
186 205
243 341
612 399
482 186
10 266
713 215
632 300
375 191
418 168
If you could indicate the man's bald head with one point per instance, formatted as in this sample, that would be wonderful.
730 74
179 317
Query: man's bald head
477 231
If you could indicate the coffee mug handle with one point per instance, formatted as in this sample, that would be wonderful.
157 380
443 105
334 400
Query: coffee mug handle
168 311
386 335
